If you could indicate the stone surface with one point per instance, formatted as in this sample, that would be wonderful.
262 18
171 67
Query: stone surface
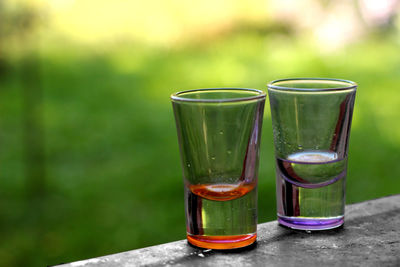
370 237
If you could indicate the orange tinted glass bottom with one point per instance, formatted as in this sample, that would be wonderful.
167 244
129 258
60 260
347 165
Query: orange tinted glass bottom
222 242
221 192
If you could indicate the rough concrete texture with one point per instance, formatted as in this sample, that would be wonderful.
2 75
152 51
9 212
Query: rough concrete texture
370 237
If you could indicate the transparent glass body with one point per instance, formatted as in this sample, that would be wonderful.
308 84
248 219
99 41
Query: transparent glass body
311 121
219 137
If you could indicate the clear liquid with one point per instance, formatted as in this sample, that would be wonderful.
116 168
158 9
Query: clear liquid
310 190
221 216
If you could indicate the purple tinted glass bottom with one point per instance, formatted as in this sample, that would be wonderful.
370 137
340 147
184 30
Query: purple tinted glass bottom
311 224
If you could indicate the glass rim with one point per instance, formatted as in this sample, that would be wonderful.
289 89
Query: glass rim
351 85
176 96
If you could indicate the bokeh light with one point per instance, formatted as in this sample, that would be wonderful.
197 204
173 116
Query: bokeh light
89 161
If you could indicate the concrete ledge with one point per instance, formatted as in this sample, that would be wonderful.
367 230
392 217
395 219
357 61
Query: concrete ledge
370 237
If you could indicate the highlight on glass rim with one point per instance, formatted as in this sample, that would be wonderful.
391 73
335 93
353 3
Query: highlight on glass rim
90 163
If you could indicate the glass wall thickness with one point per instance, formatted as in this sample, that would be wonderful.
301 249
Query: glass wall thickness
219 134
311 121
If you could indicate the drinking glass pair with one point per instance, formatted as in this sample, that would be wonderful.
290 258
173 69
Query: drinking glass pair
219 132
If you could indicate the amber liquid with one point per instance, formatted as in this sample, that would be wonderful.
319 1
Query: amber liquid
221 216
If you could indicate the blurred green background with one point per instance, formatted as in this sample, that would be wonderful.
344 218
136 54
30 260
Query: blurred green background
89 161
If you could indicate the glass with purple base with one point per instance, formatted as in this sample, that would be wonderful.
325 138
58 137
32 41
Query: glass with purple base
311 119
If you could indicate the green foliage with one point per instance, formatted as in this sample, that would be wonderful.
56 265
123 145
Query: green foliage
113 175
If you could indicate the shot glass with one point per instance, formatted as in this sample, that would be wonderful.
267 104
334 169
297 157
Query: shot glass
219 134
311 121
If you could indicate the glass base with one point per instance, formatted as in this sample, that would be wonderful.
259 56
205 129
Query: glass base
311 224
222 242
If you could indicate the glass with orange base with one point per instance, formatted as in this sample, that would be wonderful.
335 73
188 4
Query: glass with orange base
219 134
